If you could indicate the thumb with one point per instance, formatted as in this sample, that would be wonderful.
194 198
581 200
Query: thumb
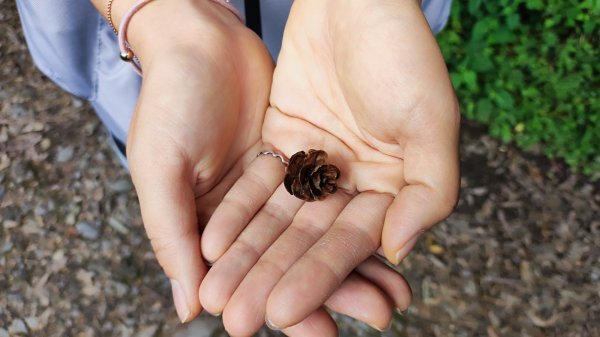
166 195
433 176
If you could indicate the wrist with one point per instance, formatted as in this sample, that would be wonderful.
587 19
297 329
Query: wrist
157 27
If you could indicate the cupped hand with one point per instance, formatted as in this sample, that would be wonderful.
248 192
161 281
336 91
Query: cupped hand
205 89
364 81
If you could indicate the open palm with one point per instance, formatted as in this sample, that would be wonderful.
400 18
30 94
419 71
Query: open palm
197 125
364 81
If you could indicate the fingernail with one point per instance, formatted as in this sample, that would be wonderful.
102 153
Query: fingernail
401 312
387 328
183 311
213 314
270 325
408 246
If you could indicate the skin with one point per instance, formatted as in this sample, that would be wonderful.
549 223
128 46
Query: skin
195 131
364 81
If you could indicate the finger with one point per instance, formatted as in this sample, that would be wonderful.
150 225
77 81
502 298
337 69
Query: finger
432 173
240 204
318 324
357 298
207 203
167 204
227 273
354 236
362 300
388 280
245 311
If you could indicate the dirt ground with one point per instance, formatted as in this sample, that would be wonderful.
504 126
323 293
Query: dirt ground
519 257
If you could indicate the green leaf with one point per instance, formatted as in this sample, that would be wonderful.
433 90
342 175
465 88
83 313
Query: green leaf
481 63
484 110
589 27
470 80
534 4
474 6
505 133
513 20
480 30
504 100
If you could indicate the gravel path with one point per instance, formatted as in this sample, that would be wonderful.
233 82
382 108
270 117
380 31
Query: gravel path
520 257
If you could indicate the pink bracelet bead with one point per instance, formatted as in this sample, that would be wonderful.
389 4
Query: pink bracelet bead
127 53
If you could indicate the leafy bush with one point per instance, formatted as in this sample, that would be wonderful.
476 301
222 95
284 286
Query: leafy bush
530 69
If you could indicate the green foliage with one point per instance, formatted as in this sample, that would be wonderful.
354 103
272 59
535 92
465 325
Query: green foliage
530 69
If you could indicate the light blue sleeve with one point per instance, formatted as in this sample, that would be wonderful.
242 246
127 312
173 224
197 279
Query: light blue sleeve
437 13
75 47
61 36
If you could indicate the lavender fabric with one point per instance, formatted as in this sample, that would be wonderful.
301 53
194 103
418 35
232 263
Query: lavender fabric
75 47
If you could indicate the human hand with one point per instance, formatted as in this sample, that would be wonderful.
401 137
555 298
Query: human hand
239 282
204 93
199 115
364 81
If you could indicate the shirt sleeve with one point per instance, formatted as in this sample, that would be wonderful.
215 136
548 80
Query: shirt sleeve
437 13
61 36
72 44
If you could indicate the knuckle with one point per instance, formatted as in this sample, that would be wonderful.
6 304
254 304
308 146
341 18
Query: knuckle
257 183
308 232
326 271
247 249
267 266
237 206
359 239
447 204
276 212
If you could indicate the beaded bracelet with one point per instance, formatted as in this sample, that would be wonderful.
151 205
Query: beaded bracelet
109 16
126 53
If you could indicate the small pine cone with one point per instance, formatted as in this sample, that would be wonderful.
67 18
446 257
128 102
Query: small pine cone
309 178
